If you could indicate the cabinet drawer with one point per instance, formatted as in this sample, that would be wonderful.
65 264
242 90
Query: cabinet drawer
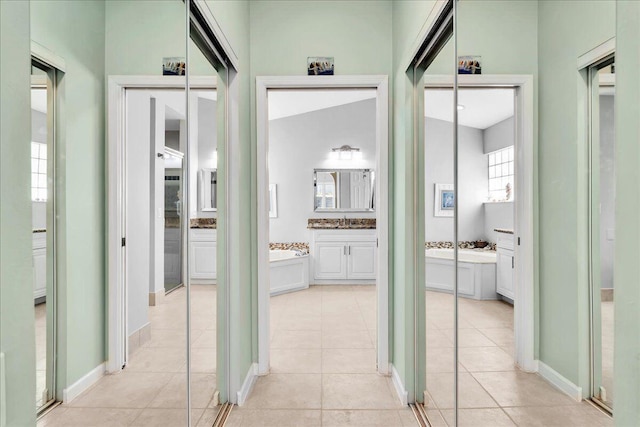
505 241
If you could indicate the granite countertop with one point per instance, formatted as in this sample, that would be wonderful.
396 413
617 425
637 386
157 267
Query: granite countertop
203 223
503 230
39 230
341 223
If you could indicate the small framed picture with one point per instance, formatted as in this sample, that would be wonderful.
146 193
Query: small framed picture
320 65
470 64
173 66
444 200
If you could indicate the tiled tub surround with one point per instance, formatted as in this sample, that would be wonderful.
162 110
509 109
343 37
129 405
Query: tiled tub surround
203 223
478 244
341 223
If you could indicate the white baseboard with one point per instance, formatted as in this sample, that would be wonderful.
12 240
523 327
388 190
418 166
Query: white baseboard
559 382
248 384
75 389
403 395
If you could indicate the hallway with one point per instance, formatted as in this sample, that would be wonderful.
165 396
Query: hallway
323 365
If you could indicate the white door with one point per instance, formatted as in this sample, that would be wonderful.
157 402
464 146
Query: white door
360 190
330 260
504 265
361 261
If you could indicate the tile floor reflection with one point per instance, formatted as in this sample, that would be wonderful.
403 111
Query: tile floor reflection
492 390
40 311
151 391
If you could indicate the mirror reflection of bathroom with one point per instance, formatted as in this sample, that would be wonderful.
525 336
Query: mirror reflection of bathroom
603 195
486 192
322 234
42 195
487 229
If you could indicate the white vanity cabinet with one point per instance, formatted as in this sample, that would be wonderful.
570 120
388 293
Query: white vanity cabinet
505 265
343 256
203 254
39 265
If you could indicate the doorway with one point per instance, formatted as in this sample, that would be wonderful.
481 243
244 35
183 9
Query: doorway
327 188
43 196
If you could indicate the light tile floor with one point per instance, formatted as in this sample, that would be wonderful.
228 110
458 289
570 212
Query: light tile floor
151 390
323 365
40 311
492 391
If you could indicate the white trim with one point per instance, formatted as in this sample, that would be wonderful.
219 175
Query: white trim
381 84
75 389
402 393
559 382
247 385
45 55
524 317
117 85
596 54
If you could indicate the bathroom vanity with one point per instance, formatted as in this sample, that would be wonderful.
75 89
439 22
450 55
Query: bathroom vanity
345 253
505 263
203 251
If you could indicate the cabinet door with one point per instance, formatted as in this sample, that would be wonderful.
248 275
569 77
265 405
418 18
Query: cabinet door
203 260
504 267
330 260
39 272
361 261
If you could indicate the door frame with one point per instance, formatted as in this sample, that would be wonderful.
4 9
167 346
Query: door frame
525 240
381 84
116 201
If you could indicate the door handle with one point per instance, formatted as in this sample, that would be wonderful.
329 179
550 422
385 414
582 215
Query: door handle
349 249
513 261
344 248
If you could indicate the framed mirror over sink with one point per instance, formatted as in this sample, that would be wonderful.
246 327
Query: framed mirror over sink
343 190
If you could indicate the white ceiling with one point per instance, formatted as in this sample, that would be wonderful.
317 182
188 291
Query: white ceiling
290 102
483 108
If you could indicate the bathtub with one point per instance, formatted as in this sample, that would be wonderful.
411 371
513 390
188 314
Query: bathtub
287 272
476 272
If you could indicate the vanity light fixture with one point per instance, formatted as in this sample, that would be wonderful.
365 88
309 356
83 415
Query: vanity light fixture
346 152
460 107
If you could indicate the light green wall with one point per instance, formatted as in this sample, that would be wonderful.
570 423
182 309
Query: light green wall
17 330
567 30
81 281
140 33
627 262
233 18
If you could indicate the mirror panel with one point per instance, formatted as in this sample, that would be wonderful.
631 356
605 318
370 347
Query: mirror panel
208 189
343 190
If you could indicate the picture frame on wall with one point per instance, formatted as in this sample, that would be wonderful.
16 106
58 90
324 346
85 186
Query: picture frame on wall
320 66
444 200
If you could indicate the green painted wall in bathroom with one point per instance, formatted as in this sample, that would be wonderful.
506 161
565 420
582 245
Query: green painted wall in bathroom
81 281
627 264
17 330
567 29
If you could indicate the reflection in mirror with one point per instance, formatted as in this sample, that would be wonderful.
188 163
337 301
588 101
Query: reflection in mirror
343 190
602 213
42 199
208 189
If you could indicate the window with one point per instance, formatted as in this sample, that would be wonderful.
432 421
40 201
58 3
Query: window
501 175
38 172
